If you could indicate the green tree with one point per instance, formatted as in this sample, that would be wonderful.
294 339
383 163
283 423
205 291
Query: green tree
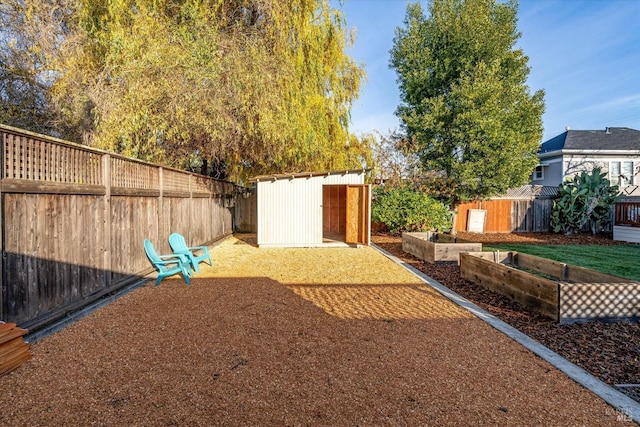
30 32
465 103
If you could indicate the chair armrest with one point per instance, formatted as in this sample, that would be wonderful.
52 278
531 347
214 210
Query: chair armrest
202 248
174 257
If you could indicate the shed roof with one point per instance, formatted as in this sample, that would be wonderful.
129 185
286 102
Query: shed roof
612 138
275 177
530 191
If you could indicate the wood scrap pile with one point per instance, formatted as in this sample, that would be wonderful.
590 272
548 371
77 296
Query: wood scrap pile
13 350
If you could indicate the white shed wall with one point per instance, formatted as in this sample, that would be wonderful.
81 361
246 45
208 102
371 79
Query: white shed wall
290 210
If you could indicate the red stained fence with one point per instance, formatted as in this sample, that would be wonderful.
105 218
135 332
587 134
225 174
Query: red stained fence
627 213
508 215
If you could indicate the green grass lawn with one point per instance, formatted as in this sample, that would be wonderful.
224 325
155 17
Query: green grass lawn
619 260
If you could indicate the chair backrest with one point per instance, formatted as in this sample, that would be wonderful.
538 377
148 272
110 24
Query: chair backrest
177 242
151 252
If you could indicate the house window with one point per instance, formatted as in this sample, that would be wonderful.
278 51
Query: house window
621 173
538 174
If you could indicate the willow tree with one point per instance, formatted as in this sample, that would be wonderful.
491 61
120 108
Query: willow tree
258 85
30 35
466 107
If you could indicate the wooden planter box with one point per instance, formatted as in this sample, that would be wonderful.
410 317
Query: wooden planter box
563 292
436 247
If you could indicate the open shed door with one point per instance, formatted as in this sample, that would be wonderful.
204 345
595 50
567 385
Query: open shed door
358 227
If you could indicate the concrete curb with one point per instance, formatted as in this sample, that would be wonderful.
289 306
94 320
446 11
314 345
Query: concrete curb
628 409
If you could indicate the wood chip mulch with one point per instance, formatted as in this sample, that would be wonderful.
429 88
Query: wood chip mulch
609 351
291 337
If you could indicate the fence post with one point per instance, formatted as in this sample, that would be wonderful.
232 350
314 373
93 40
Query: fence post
160 223
2 257
106 180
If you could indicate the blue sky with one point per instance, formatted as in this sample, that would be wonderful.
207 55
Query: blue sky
585 54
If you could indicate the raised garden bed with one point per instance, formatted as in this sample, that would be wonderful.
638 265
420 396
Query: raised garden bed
563 292
437 247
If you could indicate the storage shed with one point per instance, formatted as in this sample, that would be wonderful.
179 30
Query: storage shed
313 209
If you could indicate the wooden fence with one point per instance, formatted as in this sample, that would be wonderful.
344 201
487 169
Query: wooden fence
533 215
74 219
509 215
627 213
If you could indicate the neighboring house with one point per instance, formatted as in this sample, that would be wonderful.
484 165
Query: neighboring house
615 150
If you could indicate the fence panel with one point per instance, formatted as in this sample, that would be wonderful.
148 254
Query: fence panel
498 218
509 215
246 213
31 159
498 215
74 220
133 175
177 183
531 215
52 252
627 213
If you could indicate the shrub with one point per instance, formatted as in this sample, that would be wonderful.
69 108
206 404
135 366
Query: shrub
588 197
405 209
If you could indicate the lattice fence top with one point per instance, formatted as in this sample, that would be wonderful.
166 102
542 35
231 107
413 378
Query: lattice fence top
175 181
28 158
128 174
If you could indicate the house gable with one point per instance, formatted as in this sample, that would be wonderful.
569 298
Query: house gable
608 140
614 150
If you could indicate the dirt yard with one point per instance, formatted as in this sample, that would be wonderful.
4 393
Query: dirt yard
609 351
295 337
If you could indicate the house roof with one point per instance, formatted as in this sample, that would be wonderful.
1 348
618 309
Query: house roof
609 139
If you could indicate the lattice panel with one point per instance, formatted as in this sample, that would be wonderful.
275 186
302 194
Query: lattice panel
175 181
203 184
592 301
128 174
28 158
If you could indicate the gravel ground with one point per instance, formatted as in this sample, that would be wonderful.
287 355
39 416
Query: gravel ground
609 351
330 337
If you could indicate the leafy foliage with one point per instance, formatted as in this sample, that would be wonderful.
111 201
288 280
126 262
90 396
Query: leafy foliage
260 86
588 197
402 208
393 163
465 102
30 32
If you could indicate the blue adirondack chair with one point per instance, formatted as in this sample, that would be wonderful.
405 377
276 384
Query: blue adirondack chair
179 246
167 265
